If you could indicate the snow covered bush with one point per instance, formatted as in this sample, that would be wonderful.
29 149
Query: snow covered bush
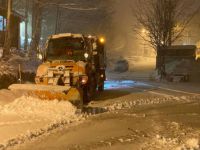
9 69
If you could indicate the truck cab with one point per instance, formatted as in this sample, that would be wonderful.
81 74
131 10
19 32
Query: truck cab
75 60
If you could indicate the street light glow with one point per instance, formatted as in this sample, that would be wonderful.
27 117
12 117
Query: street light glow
102 40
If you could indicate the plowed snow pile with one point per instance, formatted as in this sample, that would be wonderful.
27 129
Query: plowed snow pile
9 69
27 117
29 107
177 66
10 66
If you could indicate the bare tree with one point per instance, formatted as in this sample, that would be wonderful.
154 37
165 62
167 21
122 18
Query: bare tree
163 22
8 37
36 26
26 25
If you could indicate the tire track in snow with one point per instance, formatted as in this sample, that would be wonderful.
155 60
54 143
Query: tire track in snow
156 93
167 89
179 91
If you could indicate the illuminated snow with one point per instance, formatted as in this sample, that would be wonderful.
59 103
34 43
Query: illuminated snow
116 84
29 107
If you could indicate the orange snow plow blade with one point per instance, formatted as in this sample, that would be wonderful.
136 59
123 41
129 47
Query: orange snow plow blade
49 92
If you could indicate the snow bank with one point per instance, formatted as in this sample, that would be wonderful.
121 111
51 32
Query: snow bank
10 66
7 96
129 103
27 65
193 143
27 118
29 107
178 67
190 144
9 69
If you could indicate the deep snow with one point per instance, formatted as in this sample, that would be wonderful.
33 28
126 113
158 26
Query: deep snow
28 117
33 108
11 66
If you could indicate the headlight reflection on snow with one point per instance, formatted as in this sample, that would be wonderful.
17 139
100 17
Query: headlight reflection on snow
112 84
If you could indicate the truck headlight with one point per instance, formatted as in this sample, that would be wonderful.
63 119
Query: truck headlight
86 55
84 80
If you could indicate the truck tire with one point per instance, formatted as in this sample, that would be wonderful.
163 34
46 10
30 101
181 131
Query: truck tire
101 88
89 90
86 95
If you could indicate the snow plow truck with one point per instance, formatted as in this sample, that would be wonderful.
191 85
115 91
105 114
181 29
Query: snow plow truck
73 69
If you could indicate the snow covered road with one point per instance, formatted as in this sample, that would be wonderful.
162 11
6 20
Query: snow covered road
149 127
139 116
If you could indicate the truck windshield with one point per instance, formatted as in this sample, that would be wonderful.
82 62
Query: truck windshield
66 48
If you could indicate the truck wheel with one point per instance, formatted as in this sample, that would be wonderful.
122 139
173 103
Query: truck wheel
101 88
86 95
